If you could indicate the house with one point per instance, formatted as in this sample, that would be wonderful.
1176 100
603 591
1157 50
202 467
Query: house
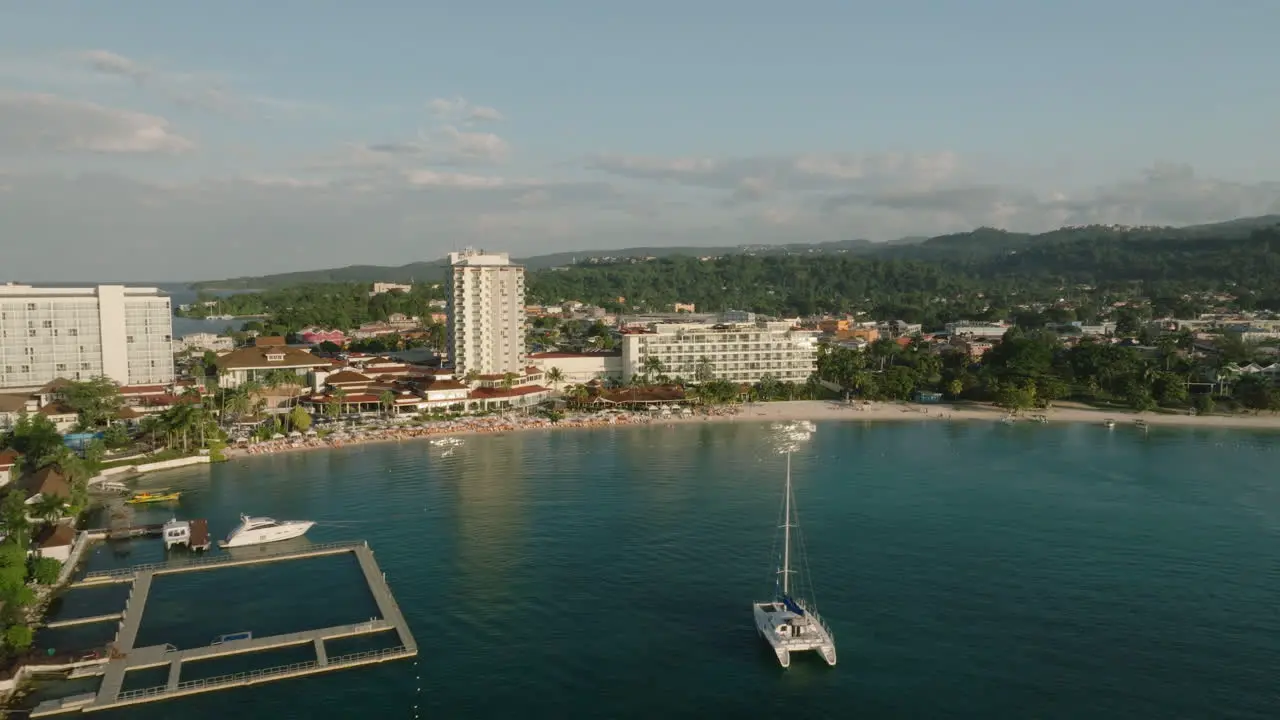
315 336
8 459
54 541
61 415
46 481
12 407
253 364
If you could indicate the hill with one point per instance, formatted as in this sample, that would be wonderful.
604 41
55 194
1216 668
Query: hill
969 246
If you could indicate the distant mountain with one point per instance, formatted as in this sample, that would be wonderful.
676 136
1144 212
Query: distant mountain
979 243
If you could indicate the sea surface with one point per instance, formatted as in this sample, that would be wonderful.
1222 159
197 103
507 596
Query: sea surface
968 570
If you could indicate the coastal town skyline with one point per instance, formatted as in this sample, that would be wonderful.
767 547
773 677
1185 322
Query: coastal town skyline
337 137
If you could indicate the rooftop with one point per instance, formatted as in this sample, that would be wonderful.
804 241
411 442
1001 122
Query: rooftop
256 358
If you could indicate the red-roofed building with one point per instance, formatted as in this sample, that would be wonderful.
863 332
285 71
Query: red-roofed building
8 458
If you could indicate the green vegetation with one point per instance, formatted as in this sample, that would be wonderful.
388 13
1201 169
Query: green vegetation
1033 369
973 276
337 305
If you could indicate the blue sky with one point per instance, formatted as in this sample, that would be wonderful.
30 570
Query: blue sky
168 140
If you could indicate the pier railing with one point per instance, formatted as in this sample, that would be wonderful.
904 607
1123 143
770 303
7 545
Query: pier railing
251 676
119 573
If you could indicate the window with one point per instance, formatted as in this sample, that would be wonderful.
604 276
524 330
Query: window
129 339
8 368
31 333
73 332
31 306
25 368
60 367
84 366
47 324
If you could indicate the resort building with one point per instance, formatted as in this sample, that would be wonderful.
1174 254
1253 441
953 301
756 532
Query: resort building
740 352
968 328
258 362
386 287
123 333
8 458
577 368
486 313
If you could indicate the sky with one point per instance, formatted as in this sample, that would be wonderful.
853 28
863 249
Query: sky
174 140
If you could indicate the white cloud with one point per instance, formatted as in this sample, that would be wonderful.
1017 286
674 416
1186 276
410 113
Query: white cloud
465 147
753 178
34 123
184 89
431 178
459 110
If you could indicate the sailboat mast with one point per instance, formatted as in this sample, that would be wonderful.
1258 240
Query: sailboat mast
786 536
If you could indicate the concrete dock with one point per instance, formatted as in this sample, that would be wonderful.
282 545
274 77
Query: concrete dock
125 657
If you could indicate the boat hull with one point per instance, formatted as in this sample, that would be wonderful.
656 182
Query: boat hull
268 535
769 616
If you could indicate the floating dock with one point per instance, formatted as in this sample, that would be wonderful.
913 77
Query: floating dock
125 657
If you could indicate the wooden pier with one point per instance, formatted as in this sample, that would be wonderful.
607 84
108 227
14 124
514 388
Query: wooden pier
125 657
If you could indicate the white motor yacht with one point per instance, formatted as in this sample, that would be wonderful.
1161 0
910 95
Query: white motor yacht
259 530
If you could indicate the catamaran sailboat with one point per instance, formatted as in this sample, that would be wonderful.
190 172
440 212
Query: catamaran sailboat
789 623
259 530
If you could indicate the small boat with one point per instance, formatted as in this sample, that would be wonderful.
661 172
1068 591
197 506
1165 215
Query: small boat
111 486
260 530
153 497
1109 423
789 623
229 637
446 442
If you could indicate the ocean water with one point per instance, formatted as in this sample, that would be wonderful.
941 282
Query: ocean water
969 570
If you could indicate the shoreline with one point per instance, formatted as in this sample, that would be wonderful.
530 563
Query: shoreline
779 411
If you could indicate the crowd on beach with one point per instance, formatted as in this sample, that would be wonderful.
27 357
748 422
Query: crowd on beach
381 432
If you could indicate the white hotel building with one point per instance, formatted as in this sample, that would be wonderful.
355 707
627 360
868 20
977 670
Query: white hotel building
486 313
738 352
75 333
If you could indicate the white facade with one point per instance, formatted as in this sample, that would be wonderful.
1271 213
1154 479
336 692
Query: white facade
580 367
486 313
386 287
741 353
205 341
965 328
124 333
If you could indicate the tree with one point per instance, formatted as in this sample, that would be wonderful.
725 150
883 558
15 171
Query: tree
509 380
115 436
49 508
1016 396
651 366
299 419
36 437
13 515
705 371
386 401
555 376
96 400
45 570
18 637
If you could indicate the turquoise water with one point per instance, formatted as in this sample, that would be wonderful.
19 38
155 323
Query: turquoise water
968 571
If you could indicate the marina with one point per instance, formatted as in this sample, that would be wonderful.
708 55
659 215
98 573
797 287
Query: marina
125 657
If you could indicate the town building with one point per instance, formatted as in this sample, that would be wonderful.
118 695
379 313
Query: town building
580 367
201 342
967 328
8 459
739 352
315 336
386 287
265 356
123 333
486 313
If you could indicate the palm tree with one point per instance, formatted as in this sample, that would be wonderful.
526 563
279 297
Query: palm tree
509 380
555 376
49 508
705 370
578 393
387 401
651 366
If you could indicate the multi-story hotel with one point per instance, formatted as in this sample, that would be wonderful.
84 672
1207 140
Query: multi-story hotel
486 313
123 333
738 352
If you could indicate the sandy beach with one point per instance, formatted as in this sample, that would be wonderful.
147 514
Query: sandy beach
815 410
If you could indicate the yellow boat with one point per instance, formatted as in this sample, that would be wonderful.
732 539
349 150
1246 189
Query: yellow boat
155 497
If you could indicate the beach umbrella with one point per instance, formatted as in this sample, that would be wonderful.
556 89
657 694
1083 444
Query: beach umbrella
295 434
277 436
311 432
